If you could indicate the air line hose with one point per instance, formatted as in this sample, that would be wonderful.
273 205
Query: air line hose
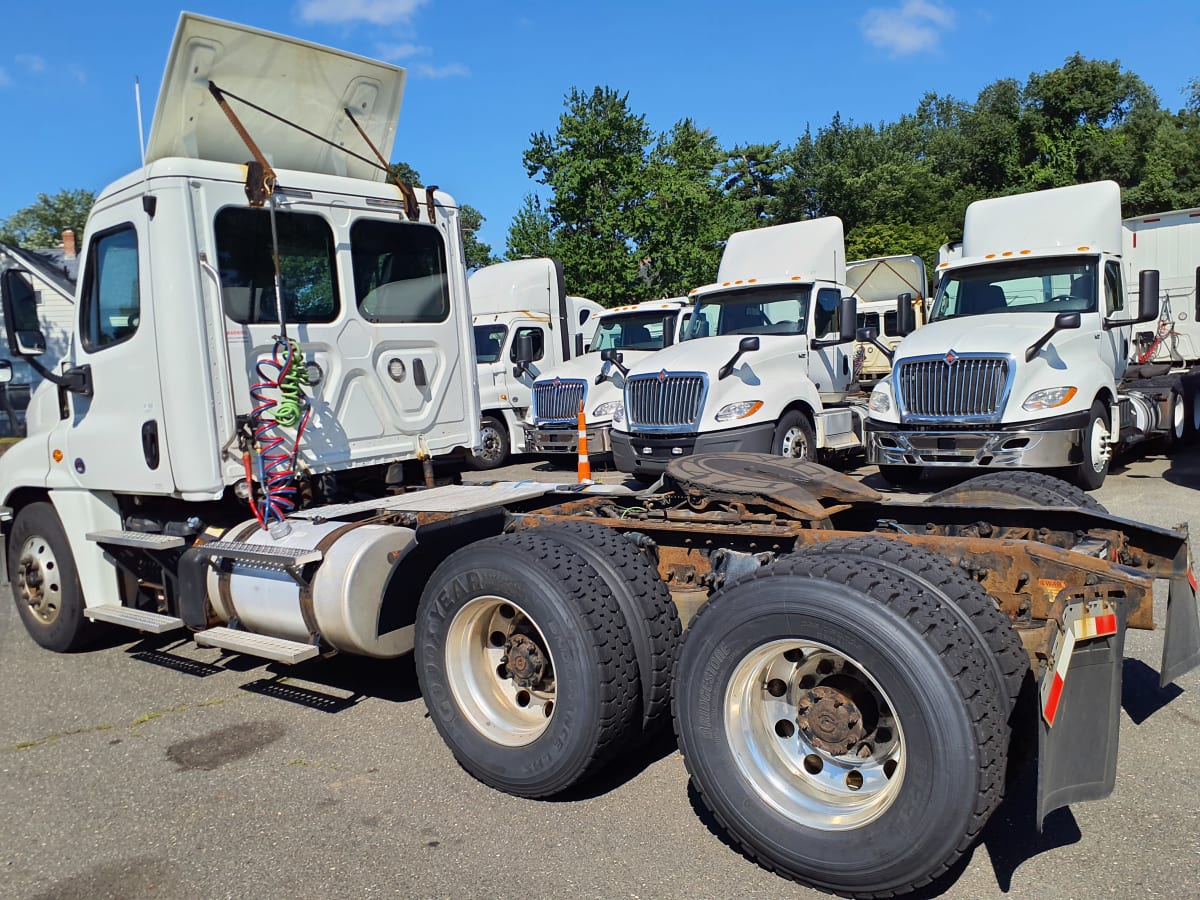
284 374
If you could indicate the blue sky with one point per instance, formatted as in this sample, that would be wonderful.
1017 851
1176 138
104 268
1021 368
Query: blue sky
485 75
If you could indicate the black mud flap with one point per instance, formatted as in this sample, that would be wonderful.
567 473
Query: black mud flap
1079 724
1181 642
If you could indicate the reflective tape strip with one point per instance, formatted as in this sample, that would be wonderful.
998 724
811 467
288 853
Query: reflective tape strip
1082 621
1056 678
1192 580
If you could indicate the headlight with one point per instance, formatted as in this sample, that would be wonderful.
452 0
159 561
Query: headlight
880 402
1049 398
739 410
606 410
619 413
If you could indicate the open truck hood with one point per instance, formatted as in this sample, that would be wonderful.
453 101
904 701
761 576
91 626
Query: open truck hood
304 83
886 278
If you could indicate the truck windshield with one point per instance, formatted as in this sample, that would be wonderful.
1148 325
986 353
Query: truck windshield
1052 285
767 310
634 331
489 342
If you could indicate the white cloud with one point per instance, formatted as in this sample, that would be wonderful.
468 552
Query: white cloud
913 27
32 63
394 52
453 70
377 12
5 81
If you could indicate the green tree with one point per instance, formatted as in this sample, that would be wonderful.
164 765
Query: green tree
477 253
41 225
895 239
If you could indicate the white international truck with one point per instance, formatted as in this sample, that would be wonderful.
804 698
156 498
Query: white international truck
1025 362
624 336
877 283
851 666
767 366
525 325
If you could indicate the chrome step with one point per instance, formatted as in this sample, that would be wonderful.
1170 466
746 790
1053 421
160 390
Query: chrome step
844 441
140 539
141 619
277 649
260 554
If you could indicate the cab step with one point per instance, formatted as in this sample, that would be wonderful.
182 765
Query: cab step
262 555
140 539
141 619
273 648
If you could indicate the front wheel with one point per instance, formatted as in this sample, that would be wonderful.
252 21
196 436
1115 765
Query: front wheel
495 445
794 437
1097 450
44 581
840 725
1177 421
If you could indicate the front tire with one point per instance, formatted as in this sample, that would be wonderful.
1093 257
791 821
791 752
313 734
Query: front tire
1097 451
901 476
526 664
45 582
496 445
794 437
1177 421
840 725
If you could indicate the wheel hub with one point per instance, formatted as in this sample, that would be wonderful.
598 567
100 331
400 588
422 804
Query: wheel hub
524 661
830 720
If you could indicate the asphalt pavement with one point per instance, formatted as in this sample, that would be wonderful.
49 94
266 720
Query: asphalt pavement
155 768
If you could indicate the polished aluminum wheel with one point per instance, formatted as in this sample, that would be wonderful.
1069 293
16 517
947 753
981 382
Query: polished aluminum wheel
38 580
1098 438
500 671
814 734
795 443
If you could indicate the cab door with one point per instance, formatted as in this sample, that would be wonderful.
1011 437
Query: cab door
115 439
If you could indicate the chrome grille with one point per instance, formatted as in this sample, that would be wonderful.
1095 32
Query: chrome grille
970 388
558 400
664 401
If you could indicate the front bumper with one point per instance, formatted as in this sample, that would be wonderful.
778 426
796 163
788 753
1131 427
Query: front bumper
648 454
1017 448
566 440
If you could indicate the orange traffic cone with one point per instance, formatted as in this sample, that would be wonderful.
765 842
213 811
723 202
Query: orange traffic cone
585 467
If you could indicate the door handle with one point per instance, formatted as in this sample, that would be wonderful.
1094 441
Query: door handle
150 443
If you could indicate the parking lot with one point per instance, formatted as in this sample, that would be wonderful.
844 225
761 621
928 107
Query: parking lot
155 768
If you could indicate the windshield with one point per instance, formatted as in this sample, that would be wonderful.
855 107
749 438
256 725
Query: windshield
1051 285
489 341
634 331
768 310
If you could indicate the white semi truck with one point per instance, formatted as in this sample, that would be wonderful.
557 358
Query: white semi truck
624 336
1025 362
851 668
525 325
767 366
877 283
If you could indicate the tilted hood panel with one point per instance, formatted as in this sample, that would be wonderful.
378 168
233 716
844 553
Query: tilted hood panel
523 284
305 83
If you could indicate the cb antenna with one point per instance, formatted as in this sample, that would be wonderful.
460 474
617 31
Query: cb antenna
137 99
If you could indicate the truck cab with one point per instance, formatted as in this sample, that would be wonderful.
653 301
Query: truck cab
1024 358
525 325
877 283
766 365
624 336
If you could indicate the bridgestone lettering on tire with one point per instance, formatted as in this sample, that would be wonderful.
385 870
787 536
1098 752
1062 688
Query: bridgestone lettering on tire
44 581
518 622
881 639
645 603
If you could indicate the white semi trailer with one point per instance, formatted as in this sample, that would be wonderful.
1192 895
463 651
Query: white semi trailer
851 669
1026 360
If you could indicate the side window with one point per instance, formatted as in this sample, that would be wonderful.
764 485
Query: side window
539 342
1113 298
399 271
306 266
111 306
827 319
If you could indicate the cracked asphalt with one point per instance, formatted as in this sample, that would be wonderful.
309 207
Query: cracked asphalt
156 768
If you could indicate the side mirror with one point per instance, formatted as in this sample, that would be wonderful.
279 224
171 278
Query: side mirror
614 356
849 319
523 349
668 330
1147 296
748 344
579 345
21 323
866 335
906 317
1062 322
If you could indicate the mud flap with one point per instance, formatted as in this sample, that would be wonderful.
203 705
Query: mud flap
1079 722
1181 642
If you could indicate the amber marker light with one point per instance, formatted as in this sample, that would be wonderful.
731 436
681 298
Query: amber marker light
990 256
57 455
1026 252
1081 249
